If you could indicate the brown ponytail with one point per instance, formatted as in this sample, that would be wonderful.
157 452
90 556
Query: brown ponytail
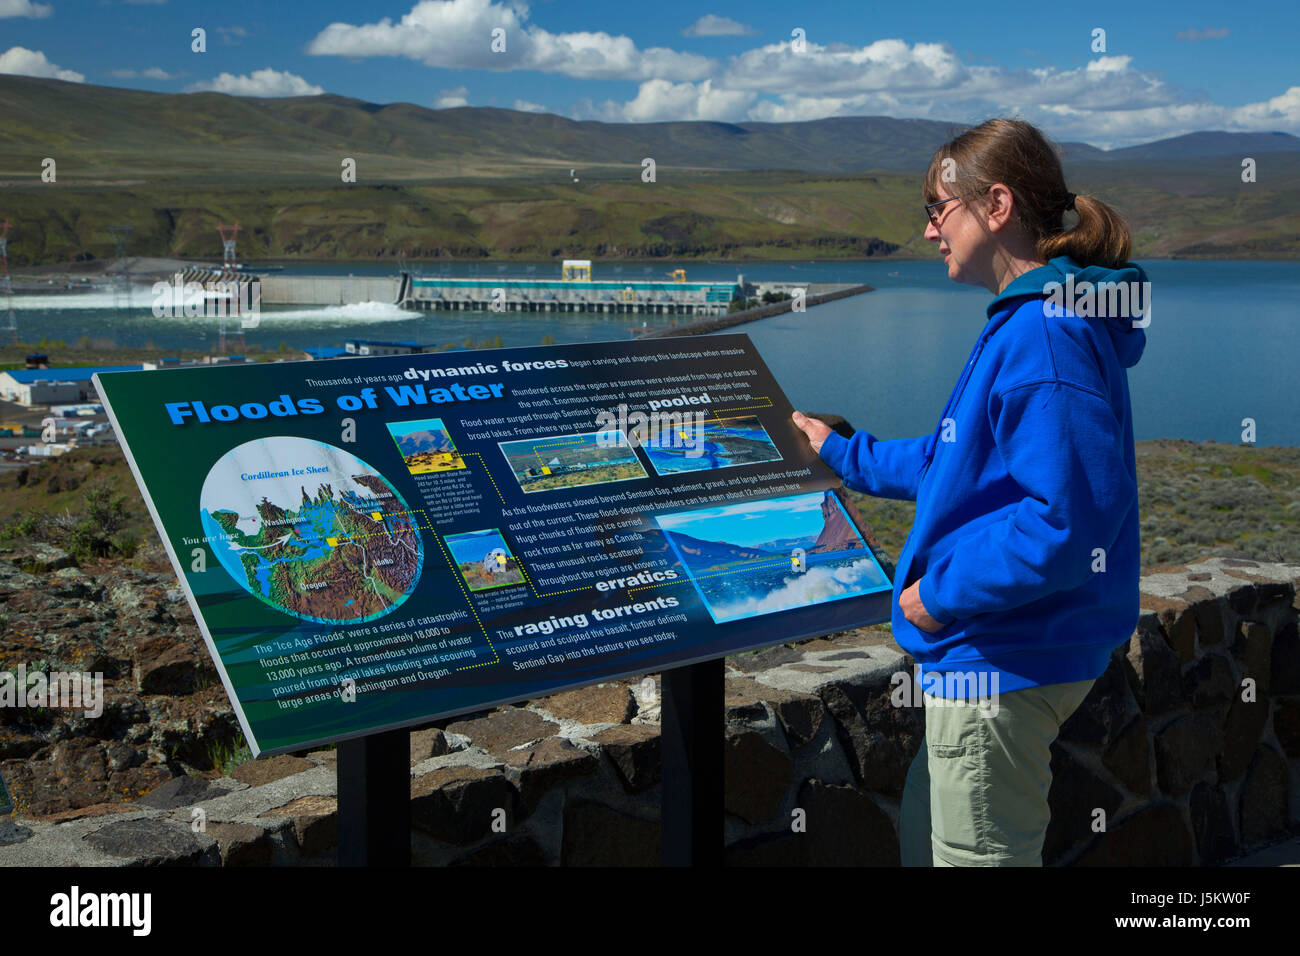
1016 154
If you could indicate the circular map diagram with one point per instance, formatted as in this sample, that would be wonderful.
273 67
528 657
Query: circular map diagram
311 530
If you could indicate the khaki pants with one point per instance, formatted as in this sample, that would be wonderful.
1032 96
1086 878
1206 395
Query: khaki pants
976 792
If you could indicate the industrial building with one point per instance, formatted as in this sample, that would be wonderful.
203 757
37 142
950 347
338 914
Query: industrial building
355 348
54 386
61 386
574 291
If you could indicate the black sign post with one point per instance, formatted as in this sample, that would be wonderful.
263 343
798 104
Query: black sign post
374 787
691 744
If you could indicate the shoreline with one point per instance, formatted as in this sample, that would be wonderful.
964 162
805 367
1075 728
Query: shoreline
142 268
720 322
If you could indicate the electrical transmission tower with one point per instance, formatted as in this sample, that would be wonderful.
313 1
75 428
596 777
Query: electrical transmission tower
9 331
121 268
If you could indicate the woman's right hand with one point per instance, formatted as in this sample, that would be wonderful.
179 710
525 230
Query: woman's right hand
814 429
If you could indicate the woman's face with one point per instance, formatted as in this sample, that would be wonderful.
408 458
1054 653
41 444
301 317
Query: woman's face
963 240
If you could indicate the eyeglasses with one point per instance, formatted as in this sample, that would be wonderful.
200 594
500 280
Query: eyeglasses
931 207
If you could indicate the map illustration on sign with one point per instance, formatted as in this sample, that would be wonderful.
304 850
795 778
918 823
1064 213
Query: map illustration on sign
311 530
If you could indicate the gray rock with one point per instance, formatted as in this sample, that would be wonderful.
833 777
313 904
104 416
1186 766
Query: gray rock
1285 671
179 792
535 770
768 849
37 557
1241 734
154 842
1104 714
1286 724
597 835
1075 796
634 751
764 659
459 804
1210 625
1209 682
315 822
1212 824
881 739
1155 672
1128 757
1264 798
426 743
845 827
756 775
1253 649
505 729
517 851
800 713
1243 600
257 773
1153 836
72 583
609 703
1186 750
241 844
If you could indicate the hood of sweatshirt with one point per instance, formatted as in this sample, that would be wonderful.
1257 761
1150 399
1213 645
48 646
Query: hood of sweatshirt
1075 284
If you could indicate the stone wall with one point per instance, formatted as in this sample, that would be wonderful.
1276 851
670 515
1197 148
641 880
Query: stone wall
1189 745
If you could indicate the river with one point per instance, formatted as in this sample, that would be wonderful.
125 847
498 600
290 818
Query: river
1221 347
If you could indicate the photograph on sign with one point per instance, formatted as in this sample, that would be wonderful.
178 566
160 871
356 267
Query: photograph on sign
425 446
724 443
565 461
376 542
766 556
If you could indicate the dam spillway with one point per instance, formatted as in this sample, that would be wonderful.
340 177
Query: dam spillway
574 291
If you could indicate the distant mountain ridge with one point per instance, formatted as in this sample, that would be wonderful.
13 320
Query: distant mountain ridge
149 126
424 442
483 183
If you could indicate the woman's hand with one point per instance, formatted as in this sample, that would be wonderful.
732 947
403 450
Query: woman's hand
909 602
815 430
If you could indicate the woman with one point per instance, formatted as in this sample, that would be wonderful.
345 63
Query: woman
1020 575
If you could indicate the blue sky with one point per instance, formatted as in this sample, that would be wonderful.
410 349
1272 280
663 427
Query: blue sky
425 425
1166 68
474 544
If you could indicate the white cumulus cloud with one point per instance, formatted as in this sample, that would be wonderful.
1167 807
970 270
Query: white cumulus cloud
1108 101
25 8
152 73
449 99
266 82
659 101
1213 33
711 25
24 62
459 34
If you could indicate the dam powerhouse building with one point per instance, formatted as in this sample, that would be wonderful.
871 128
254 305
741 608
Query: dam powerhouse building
574 291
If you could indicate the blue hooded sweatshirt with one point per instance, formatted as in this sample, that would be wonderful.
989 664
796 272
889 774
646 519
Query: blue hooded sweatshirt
1026 532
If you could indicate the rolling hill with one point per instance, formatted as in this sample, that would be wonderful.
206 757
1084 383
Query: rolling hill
481 182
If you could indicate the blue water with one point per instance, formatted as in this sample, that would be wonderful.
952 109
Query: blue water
1222 344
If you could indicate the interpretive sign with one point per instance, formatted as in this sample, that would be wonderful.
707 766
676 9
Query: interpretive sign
371 543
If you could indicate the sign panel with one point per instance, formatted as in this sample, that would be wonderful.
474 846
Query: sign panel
370 543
